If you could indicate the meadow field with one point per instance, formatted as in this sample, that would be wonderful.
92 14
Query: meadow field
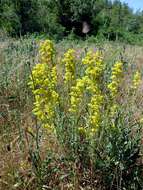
71 115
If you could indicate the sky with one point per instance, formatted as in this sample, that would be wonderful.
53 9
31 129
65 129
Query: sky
135 4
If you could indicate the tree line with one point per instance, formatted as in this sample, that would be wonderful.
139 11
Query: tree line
58 18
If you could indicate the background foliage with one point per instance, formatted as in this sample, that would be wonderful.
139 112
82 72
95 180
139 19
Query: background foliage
58 18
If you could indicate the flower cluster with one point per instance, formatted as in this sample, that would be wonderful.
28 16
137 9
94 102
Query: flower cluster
76 94
95 66
95 106
46 51
85 95
94 72
43 83
136 80
90 83
69 61
117 74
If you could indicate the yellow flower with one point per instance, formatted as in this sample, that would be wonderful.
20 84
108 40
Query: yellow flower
95 66
117 74
90 83
43 83
136 80
69 61
76 94
49 127
94 73
95 106
46 51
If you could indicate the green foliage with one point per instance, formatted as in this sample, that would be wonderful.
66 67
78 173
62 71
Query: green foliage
10 21
48 19
120 154
112 20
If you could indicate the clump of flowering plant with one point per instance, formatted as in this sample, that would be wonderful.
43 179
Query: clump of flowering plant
84 111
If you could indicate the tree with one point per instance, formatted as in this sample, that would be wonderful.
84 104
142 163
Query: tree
9 21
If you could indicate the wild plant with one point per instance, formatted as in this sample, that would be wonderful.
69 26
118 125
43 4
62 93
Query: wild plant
88 116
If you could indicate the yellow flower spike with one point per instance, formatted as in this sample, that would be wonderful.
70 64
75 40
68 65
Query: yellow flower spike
94 72
95 66
95 110
136 80
117 73
69 61
113 86
46 51
43 82
76 94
